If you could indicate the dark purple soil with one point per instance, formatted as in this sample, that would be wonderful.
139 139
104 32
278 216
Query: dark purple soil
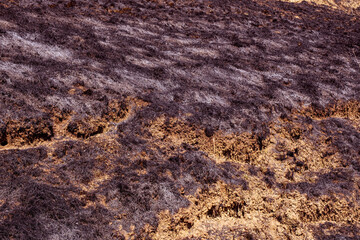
220 66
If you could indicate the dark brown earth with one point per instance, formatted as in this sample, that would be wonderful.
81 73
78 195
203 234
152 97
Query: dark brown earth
179 120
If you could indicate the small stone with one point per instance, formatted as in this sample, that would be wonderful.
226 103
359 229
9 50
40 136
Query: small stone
209 132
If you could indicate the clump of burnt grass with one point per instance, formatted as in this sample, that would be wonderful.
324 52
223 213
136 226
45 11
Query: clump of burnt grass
26 131
42 212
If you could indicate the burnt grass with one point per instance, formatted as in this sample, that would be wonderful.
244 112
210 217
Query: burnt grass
179 119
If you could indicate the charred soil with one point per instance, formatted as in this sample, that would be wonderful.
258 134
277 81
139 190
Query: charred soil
179 120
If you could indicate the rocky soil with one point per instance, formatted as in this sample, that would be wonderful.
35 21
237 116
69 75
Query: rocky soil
157 119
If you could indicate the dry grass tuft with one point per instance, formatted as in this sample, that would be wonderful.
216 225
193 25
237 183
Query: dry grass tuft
349 6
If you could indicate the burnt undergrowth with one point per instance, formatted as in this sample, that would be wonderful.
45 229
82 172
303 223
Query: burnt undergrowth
178 119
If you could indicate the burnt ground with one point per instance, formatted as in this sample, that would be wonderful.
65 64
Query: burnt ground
179 119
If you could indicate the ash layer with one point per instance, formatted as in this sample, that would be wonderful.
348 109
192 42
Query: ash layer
179 120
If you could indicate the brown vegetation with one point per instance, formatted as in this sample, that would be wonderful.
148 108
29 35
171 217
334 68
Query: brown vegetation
179 120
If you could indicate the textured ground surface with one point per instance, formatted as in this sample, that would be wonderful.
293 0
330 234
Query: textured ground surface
179 120
345 5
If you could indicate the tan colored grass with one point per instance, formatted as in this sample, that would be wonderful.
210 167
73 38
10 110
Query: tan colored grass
347 5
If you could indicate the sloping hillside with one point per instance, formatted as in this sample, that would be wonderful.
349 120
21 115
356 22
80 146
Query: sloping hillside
232 119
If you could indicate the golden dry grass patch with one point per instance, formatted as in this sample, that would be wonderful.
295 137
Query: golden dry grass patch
345 5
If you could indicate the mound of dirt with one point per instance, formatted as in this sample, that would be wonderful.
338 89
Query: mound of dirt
179 119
